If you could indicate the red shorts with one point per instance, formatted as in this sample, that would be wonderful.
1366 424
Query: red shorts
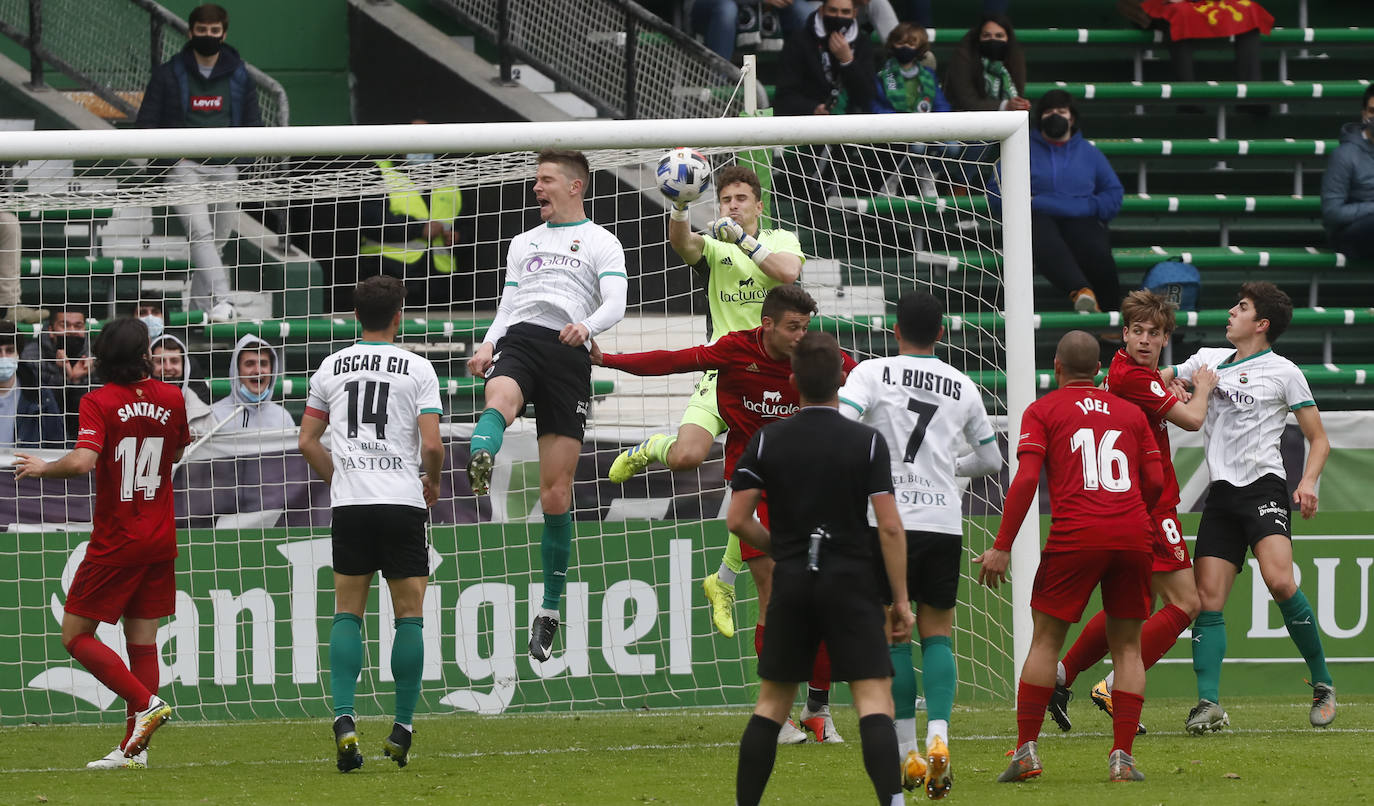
1170 552
109 592
746 551
1065 581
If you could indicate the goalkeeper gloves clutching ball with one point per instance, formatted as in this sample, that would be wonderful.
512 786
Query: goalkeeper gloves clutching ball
728 230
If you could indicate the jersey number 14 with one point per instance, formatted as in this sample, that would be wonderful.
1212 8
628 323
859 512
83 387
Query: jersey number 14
373 409
139 467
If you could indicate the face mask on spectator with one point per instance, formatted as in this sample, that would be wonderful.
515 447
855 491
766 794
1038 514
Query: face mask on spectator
8 366
907 55
255 397
833 24
995 49
73 345
206 45
1054 126
154 324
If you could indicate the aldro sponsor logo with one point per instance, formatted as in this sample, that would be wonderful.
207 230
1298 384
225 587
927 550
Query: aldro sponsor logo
772 405
535 263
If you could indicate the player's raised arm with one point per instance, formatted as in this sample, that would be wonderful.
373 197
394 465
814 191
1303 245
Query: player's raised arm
1190 415
667 362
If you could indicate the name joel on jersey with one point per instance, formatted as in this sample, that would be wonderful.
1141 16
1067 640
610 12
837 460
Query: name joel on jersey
359 362
143 408
929 381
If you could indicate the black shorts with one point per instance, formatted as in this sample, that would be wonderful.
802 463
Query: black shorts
839 605
932 568
554 376
1236 518
386 537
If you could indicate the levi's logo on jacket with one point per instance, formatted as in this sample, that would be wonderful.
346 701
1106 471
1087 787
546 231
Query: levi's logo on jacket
207 103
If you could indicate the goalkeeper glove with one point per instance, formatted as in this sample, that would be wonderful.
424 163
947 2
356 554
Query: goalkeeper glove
679 211
729 230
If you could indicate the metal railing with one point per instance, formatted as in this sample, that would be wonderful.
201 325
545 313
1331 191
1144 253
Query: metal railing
109 48
613 54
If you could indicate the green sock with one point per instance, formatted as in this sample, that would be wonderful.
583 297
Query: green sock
487 436
407 663
658 450
937 667
732 559
345 660
1209 647
555 547
903 681
1302 628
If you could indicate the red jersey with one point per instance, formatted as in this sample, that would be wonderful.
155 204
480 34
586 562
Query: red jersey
751 387
1094 445
138 430
1142 386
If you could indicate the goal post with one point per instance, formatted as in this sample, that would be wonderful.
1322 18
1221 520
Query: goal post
103 229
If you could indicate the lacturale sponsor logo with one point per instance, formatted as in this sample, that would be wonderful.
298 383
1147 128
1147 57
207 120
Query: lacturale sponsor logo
771 405
748 295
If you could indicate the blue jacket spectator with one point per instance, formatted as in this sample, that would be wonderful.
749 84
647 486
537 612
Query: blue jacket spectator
1074 193
1348 186
30 416
904 83
167 99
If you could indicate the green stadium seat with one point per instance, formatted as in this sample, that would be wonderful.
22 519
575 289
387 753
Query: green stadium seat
1135 91
1213 147
293 387
1130 36
81 266
1134 203
1070 320
320 329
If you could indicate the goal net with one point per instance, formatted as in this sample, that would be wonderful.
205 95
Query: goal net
268 230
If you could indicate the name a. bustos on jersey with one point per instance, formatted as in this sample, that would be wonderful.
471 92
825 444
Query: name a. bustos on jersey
360 362
143 408
928 381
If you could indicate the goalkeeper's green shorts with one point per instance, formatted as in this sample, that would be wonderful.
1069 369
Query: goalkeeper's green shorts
702 410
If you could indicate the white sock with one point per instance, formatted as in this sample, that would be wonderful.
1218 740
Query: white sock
906 737
726 576
1059 674
409 727
544 611
1111 680
898 800
937 727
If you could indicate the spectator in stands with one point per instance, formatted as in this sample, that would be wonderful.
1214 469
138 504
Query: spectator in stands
30 417
10 309
64 361
988 68
171 364
1074 193
905 84
1348 186
1190 24
205 85
826 66
717 22
249 406
150 314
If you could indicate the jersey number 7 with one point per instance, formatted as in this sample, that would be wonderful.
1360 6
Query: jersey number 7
924 411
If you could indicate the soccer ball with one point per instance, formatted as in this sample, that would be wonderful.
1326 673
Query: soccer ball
683 174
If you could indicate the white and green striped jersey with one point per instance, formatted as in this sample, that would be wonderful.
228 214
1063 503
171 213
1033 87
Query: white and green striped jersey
928 412
554 271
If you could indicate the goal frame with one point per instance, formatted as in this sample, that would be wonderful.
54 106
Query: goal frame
1011 129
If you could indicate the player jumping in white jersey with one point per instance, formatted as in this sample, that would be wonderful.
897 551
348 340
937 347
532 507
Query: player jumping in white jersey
1247 503
565 283
928 412
382 406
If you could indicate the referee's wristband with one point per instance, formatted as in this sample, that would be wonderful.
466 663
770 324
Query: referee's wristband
679 213
756 251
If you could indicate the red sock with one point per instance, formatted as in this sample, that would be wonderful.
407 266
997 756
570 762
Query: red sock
1125 717
820 671
102 662
1160 632
1031 702
758 640
1090 648
143 665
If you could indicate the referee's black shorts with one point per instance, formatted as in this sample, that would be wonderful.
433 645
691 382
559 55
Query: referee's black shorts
839 605
1236 518
390 538
932 568
554 376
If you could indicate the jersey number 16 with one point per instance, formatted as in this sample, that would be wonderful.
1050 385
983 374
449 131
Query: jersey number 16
1104 466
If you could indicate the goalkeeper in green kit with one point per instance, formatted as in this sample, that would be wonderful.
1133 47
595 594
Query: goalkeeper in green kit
740 263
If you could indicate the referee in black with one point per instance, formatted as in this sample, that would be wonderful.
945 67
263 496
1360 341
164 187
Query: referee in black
820 471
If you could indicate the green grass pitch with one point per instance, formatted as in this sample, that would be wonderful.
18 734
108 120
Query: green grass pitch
1268 756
